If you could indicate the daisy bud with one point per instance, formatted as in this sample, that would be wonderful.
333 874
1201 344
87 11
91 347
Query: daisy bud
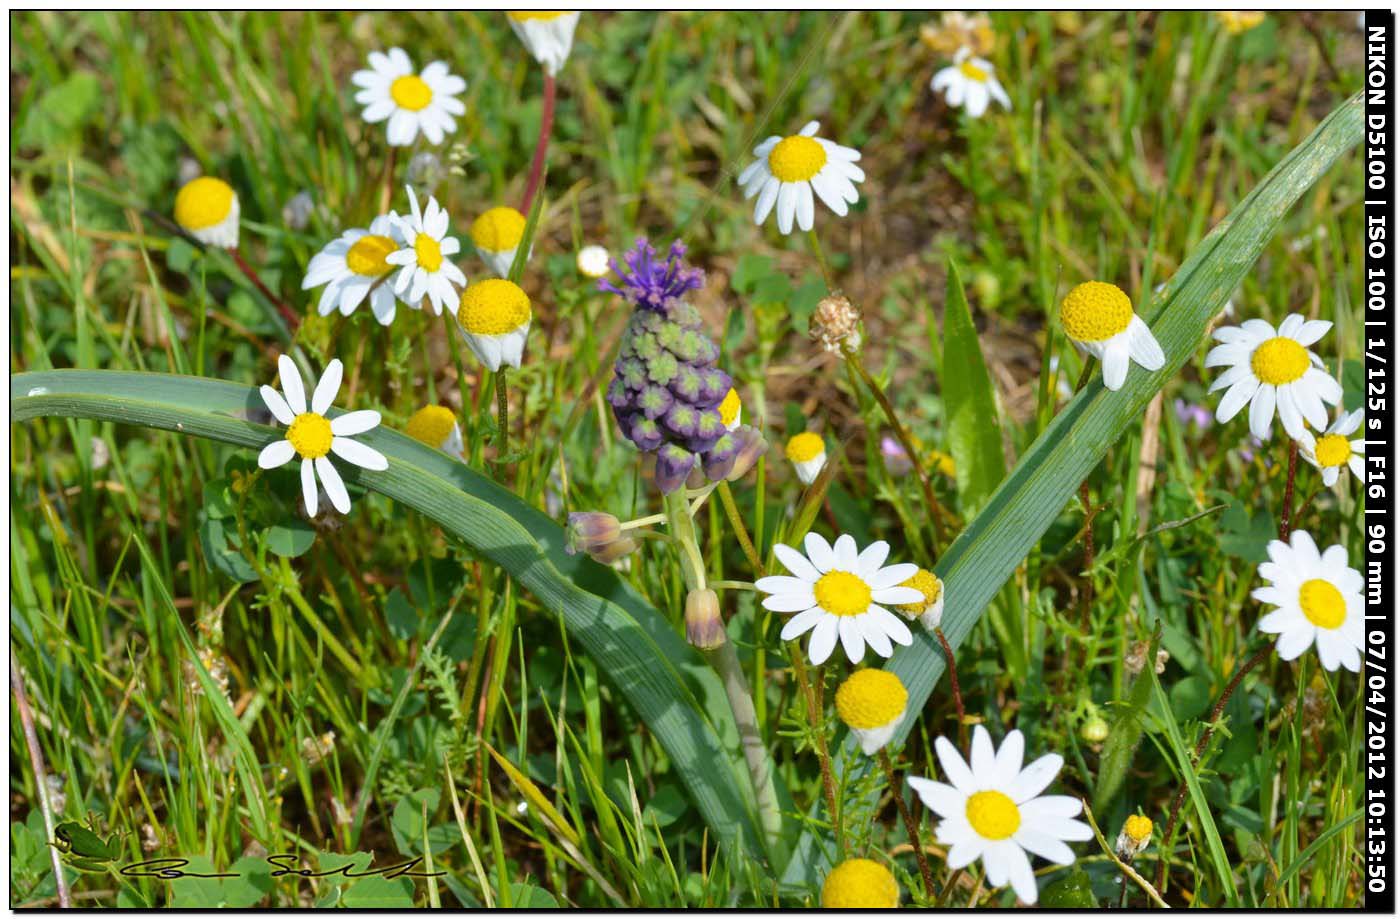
1136 834
929 609
494 318
872 704
207 209
593 261
1095 730
752 445
497 235
591 531
807 453
1098 318
704 628
859 883
547 34
436 426
835 325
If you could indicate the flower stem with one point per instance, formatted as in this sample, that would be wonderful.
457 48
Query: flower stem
1087 597
391 167
910 826
248 272
953 683
1285 526
821 259
502 414
41 781
731 510
814 718
532 184
948 886
1164 852
1125 867
935 509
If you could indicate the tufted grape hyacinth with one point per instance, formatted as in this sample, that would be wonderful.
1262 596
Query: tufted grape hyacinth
666 387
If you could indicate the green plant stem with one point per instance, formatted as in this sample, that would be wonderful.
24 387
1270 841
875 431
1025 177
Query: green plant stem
1087 595
813 699
1164 853
41 787
287 315
390 168
910 826
1123 866
935 509
741 533
502 415
820 256
948 886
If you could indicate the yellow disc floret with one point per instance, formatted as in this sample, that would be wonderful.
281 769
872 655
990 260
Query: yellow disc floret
1332 450
428 252
796 159
431 424
368 256
993 815
203 202
1279 360
859 883
729 408
1138 828
310 435
410 92
527 15
493 307
842 593
805 446
926 583
1237 22
499 229
1322 604
973 72
871 699
1095 311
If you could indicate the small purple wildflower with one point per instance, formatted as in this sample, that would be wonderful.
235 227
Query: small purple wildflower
897 461
1188 413
650 283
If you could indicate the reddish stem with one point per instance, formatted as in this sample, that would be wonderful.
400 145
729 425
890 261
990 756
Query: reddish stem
952 679
1285 526
532 184
284 309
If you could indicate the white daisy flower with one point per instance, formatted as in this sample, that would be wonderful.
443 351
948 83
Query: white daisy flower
353 267
731 410
593 261
992 809
872 704
548 34
436 426
494 317
497 235
789 169
207 209
414 103
970 83
426 266
1333 449
313 437
837 592
1099 319
1271 368
1319 601
807 453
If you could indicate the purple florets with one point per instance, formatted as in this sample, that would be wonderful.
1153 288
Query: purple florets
650 284
666 387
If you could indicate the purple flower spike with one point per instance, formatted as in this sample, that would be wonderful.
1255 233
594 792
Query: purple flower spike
649 283
673 465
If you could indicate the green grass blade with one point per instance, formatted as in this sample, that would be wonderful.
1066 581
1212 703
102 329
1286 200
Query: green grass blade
986 554
663 677
974 433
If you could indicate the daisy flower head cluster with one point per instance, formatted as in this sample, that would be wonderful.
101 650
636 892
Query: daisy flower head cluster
494 317
207 209
436 426
860 883
840 593
425 266
312 437
1099 319
1335 449
497 235
872 703
807 453
667 393
547 34
789 171
1318 601
970 83
1272 369
414 104
992 808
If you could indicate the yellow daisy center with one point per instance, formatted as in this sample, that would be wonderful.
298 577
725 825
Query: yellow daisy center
796 159
841 593
310 435
1095 311
1279 360
1322 603
367 256
1332 450
859 883
410 92
428 251
431 424
1138 828
871 699
972 71
203 202
926 583
729 408
527 15
805 446
494 306
993 815
499 229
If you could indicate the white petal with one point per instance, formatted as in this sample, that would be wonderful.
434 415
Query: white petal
1115 366
893 575
820 554
308 486
359 454
1295 641
327 388
1261 412
805 208
354 422
852 638
1146 351
823 640
292 386
871 558
277 453
943 800
787 206
984 755
847 555
875 636
333 484
797 563
1043 844
802 622
1036 777
790 602
1009 757
959 776
276 404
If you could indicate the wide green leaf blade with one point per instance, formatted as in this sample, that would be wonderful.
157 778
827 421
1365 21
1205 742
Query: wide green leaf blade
974 433
986 554
663 678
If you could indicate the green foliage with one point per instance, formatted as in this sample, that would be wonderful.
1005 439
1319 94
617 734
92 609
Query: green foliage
974 432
